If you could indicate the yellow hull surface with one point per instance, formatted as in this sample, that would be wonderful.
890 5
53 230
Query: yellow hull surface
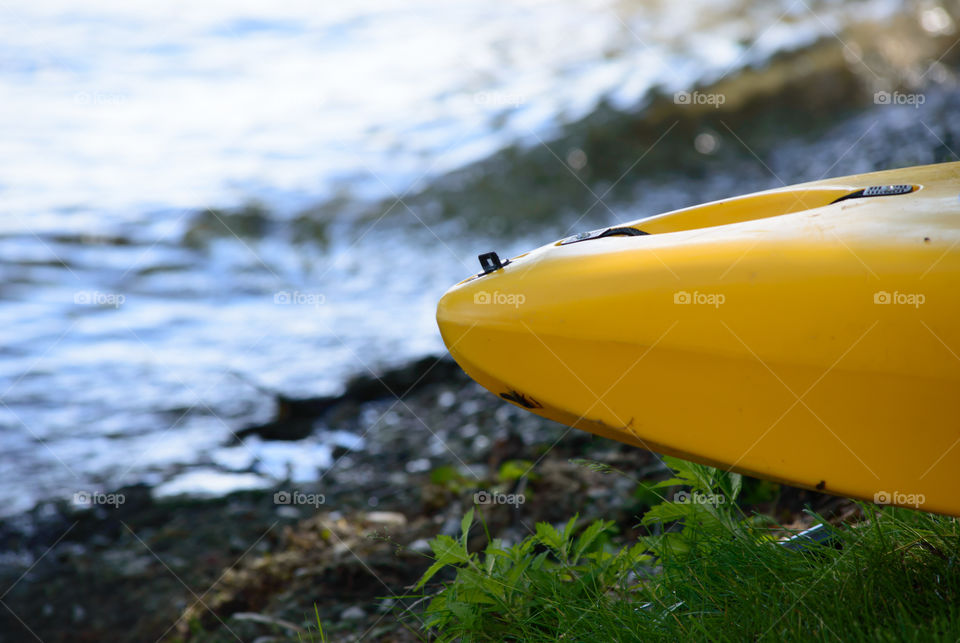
808 335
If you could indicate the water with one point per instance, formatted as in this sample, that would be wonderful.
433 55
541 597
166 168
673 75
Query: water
135 324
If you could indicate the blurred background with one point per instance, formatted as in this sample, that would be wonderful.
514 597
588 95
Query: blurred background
207 206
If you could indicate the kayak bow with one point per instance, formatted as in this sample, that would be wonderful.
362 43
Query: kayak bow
808 335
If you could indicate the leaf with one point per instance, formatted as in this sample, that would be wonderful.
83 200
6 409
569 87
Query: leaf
589 535
447 550
646 494
512 577
514 470
568 529
671 482
667 512
549 536
736 483
464 612
637 554
465 527
698 476
493 551
445 474
593 465
430 573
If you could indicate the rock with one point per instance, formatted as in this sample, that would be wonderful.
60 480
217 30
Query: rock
470 407
451 526
127 563
418 466
286 511
398 479
290 430
399 381
447 399
266 620
353 614
295 418
386 518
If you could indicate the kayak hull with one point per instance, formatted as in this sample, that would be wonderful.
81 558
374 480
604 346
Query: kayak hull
814 344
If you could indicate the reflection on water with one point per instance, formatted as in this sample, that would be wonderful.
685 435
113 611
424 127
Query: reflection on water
111 107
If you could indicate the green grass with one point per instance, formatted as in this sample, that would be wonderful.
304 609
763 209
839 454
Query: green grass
707 572
311 635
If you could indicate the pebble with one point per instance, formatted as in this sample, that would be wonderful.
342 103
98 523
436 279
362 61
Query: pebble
418 466
470 407
353 613
438 447
480 444
390 518
451 526
286 511
127 563
447 399
505 414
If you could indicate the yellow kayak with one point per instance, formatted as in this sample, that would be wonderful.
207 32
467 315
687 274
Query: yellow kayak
808 335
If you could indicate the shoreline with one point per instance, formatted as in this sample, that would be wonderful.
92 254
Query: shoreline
255 564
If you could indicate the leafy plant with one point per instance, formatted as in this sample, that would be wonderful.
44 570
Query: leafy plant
706 512
529 584
708 572
536 583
